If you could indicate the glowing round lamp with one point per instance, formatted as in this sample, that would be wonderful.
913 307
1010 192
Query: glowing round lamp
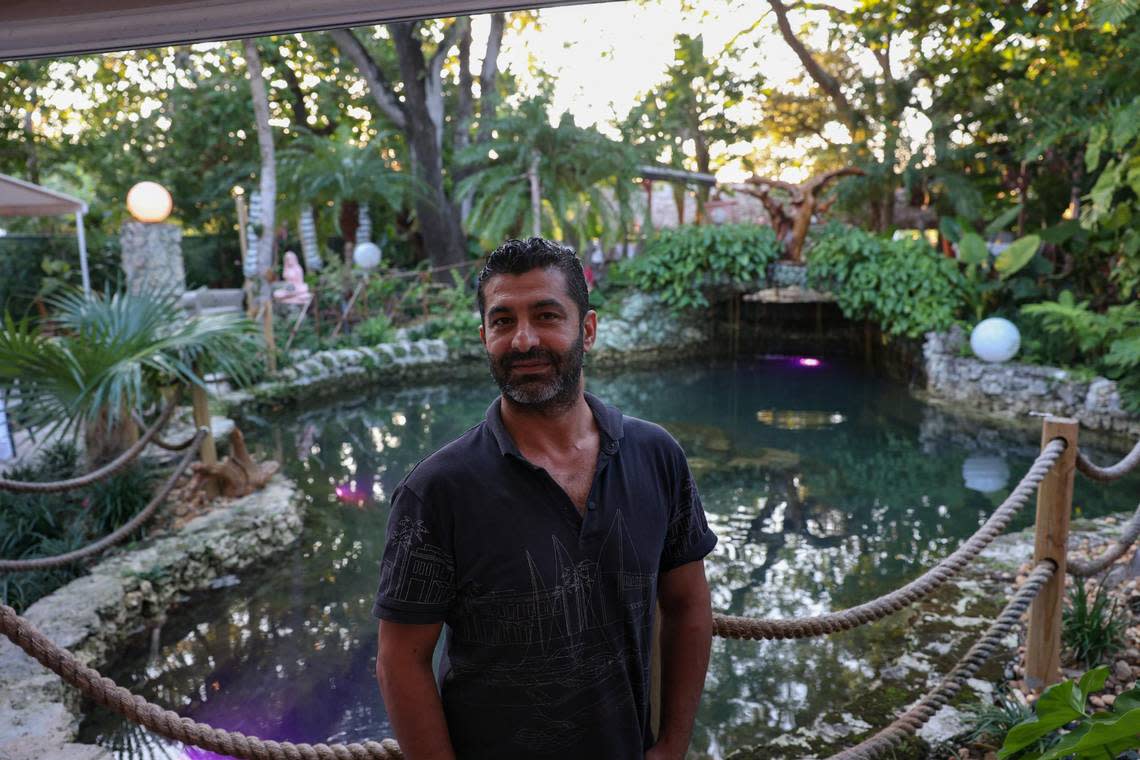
366 255
995 340
149 202
985 473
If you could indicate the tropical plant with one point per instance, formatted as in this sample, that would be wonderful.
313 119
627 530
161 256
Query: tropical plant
346 172
990 722
1107 342
101 358
561 181
903 285
680 264
1091 630
1091 736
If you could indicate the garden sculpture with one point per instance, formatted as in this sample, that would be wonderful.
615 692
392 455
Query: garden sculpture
294 291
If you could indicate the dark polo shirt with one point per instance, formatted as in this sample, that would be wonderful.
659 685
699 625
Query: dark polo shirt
549 613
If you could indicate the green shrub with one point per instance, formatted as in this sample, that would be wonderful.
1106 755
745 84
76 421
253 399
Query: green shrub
373 331
1091 630
990 722
1090 736
46 524
905 286
680 264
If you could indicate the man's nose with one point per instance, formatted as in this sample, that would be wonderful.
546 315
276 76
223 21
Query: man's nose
524 338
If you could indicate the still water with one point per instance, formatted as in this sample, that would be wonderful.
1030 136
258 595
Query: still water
826 486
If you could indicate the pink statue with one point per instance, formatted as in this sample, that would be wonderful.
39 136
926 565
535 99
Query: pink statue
293 290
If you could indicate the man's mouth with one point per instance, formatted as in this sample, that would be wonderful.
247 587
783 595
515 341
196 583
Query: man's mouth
537 364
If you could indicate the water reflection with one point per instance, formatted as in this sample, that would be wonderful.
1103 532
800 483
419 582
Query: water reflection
847 489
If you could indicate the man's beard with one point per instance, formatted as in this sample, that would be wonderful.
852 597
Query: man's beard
557 388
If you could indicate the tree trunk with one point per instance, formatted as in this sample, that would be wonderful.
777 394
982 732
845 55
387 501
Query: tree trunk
32 161
438 218
268 183
535 194
349 222
103 440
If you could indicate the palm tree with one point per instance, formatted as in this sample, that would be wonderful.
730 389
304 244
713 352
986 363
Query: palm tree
101 358
344 171
534 178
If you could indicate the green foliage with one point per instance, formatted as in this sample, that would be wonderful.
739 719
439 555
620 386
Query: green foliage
104 356
46 524
584 180
373 331
1107 342
1093 736
903 285
1092 631
680 264
990 722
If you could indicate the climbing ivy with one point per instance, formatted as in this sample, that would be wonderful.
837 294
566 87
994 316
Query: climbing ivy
903 285
681 264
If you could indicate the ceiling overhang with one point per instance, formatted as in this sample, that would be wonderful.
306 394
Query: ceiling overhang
54 28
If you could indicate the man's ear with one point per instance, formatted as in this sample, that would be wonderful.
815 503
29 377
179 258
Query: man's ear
589 329
482 334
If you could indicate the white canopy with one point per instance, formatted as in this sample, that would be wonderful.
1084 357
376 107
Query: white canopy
20 198
39 29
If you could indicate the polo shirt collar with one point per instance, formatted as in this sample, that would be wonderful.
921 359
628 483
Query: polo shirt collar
608 419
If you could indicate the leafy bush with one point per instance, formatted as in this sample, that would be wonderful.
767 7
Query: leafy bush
46 524
372 331
904 285
1097 735
680 264
1108 342
1091 631
991 722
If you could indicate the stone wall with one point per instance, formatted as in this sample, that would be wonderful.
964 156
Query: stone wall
1013 390
93 615
152 257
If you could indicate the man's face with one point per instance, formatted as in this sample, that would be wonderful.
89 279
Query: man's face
534 338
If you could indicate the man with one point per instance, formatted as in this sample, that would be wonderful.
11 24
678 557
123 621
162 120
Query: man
544 537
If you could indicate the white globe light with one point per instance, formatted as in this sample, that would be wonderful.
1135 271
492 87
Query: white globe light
995 340
149 202
366 255
986 473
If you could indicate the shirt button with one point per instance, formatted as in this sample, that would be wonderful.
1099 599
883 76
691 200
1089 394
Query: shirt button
610 448
590 505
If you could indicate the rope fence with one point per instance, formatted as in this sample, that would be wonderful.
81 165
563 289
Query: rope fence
161 442
915 718
114 466
732 627
1112 472
42 563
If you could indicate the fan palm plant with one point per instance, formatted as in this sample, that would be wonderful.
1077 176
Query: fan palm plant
344 171
100 358
537 178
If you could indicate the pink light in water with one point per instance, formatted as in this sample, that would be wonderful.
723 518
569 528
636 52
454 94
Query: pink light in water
808 361
350 493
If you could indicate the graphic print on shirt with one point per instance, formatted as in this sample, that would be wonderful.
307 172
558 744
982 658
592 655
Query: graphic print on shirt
561 640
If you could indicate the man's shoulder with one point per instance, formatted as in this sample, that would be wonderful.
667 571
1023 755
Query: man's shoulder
453 464
650 435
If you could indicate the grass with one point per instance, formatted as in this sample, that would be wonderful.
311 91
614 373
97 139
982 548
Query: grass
1092 629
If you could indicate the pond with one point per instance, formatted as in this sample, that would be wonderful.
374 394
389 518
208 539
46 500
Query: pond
827 487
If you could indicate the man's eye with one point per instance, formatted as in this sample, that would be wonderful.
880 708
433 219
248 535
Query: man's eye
500 321
550 315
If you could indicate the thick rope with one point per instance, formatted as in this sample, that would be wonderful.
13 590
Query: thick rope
913 719
1112 472
170 724
161 442
732 627
40 563
1084 568
106 471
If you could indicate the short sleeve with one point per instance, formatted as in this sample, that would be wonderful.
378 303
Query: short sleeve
688 537
417 571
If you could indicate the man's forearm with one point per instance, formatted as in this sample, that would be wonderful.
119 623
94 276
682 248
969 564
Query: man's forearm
415 711
686 636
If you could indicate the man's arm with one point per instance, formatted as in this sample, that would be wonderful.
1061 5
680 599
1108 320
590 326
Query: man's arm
403 668
686 635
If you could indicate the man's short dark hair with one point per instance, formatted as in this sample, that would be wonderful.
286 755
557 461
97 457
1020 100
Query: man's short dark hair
521 256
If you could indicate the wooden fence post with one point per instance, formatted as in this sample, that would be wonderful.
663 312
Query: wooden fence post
1054 506
208 451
